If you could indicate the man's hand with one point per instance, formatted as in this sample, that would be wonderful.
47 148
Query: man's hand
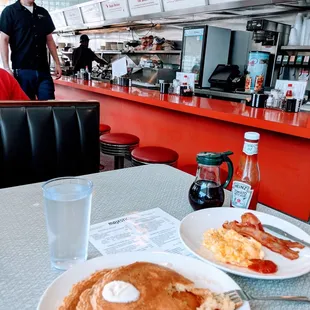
53 50
58 71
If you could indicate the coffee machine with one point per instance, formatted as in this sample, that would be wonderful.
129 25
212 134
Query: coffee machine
268 37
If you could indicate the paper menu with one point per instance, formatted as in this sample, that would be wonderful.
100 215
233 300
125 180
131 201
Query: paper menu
299 87
151 230
119 67
190 78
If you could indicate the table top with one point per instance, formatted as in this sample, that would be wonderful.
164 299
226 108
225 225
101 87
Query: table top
295 124
25 270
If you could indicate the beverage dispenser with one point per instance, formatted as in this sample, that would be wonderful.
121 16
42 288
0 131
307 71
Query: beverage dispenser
257 70
268 37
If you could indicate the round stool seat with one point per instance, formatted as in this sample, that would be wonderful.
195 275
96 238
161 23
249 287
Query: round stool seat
103 128
119 139
154 154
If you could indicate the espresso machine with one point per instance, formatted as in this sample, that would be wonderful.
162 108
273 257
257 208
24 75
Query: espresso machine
268 37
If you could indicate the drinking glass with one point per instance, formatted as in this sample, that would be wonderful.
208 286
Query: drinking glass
67 206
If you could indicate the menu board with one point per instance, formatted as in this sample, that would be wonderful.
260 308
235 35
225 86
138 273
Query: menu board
171 5
114 9
92 13
220 1
58 19
73 17
142 7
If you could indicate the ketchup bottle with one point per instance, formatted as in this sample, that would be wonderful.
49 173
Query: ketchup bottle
246 179
289 92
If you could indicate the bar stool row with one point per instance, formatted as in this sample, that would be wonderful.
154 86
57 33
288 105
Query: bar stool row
125 145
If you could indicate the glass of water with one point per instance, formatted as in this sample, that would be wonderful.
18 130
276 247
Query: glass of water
67 206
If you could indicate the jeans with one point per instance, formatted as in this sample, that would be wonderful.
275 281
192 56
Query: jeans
36 84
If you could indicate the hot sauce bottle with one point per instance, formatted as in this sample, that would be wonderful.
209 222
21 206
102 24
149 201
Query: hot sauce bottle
246 179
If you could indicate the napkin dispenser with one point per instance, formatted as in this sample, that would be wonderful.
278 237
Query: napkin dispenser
257 101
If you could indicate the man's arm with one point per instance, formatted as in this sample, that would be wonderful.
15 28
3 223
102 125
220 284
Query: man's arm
53 50
99 60
4 51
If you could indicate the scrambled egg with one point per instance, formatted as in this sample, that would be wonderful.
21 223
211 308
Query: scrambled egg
230 247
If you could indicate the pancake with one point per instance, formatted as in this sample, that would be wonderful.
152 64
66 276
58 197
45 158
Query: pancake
160 288
71 301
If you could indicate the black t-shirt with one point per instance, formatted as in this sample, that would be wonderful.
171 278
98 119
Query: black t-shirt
27 32
82 57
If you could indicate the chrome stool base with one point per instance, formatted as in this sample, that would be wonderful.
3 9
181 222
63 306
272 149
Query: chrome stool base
135 163
118 151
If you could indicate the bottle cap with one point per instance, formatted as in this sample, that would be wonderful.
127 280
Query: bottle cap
290 85
252 135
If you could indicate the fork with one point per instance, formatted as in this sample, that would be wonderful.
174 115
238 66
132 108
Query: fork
238 296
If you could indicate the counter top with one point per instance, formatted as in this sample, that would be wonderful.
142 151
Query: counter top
294 124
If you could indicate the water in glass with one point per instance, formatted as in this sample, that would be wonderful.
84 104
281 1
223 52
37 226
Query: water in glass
67 209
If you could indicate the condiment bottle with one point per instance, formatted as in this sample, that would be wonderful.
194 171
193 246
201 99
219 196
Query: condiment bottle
87 74
246 179
289 92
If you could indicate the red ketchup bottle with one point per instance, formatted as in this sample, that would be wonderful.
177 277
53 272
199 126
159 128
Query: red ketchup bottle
289 92
246 179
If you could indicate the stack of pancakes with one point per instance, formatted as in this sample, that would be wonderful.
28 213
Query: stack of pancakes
160 289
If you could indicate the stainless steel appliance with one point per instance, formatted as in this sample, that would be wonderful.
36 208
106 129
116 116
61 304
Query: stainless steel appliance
204 47
150 77
269 36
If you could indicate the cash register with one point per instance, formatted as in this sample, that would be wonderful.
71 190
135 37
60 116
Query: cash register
226 78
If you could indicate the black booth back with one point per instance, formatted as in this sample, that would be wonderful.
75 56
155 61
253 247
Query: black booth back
45 140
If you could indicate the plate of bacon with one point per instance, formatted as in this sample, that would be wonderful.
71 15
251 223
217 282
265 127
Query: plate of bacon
235 241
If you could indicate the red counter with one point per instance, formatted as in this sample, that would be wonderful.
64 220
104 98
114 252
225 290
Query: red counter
192 125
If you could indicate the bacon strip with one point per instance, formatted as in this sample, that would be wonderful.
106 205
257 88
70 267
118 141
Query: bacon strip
249 219
269 241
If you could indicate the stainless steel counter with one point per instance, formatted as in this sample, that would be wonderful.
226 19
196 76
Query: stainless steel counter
223 95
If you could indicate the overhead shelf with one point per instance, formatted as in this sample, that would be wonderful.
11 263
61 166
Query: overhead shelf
175 52
295 48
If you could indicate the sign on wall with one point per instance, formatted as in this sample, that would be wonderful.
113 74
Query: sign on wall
92 13
143 7
73 17
114 9
220 1
58 19
171 5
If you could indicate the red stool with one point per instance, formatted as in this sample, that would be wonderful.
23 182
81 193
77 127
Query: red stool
118 145
103 129
154 155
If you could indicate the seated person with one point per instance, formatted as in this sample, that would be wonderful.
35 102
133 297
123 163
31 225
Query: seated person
9 87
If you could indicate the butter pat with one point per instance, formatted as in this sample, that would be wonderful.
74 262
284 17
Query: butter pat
120 292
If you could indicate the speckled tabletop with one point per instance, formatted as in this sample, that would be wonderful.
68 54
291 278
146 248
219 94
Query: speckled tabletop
25 270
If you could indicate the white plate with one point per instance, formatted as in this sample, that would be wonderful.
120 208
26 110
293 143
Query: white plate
202 274
195 224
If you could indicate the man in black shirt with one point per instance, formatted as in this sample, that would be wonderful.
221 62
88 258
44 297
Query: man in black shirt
28 28
83 56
